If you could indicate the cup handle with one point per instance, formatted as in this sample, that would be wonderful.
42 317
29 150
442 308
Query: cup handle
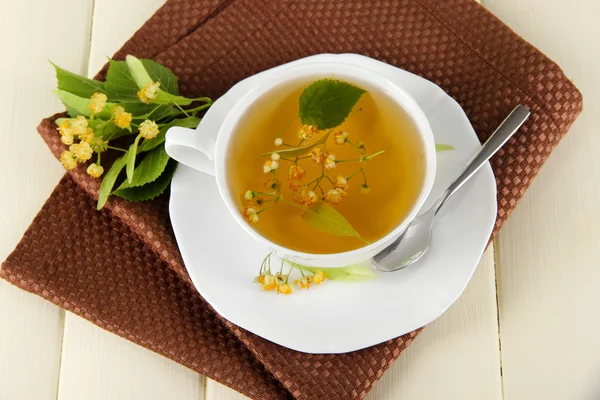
192 148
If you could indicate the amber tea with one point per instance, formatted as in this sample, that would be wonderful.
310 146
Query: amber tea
324 166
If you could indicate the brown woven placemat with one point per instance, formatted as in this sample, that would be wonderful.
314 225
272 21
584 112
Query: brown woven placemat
120 268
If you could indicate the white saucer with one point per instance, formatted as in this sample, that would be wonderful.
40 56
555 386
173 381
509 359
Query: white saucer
337 317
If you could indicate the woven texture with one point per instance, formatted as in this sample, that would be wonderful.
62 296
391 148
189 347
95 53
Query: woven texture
120 268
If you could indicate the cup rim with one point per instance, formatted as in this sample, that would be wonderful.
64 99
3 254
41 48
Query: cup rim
285 74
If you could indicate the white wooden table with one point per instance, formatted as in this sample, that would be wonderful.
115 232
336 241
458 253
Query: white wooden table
525 328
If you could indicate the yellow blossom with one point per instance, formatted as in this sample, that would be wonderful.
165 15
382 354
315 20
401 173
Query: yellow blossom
267 281
318 155
67 139
275 156
87 136
99 145
284 289
280 278
319 277
340 137
251 215
95 171
122 119
306 197
148 92
364 189
82 151
304 282
67 160
97 102
78 125
148 129
65 128
330 161
307 132
296 172
278 141
270 166
335 196
295 184
340 182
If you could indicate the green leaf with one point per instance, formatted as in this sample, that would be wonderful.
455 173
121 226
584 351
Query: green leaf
149 190
351 273
109 180
327 102
190 122
298 151
323 217
131 153
77 105
443 147
76 84
151 167
162 74
119 84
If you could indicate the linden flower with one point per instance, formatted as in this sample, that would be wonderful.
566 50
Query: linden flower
79 125
319 277
270 166
330 161
340 182
67 139
251 215
275 156
340 137
307 132
82 151
67 160
267 281
318 155
95 170
278 141
122 119
335 196
295 185
148 92
99 145
306 197
284 289
249 195
87 136
296 172
148 129
364 189
97 102
304 282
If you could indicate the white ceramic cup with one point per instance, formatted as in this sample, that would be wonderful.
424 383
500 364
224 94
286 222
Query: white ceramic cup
206 150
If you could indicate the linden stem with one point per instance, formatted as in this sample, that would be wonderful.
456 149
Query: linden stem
181 109
116 148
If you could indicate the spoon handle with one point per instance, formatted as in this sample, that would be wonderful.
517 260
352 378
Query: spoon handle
506 129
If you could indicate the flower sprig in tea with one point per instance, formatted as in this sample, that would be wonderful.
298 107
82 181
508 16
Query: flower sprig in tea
310 166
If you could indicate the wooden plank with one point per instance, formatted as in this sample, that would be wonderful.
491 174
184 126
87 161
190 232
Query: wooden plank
95 363
456 356
30 341
547 253
217 391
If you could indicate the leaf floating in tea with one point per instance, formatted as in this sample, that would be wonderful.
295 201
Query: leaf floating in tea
323 217
443 147
327 103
